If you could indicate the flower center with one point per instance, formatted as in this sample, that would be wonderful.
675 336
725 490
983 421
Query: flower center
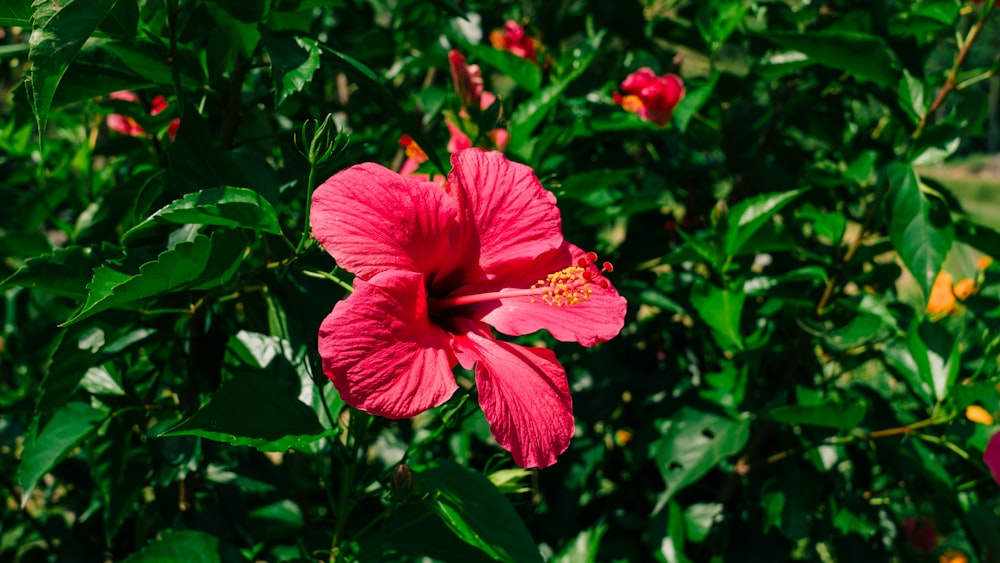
569 286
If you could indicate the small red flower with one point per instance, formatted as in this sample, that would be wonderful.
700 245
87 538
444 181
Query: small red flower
513 39
653 98
128 126
436 272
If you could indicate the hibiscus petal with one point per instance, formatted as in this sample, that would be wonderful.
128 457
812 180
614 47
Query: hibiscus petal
992 456
597 319
382 352
371 219
458 140
512 215
525 396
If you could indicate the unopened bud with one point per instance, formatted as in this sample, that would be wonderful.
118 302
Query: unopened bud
319 141
402 479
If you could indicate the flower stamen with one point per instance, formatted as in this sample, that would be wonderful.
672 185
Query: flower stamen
572 285
569 286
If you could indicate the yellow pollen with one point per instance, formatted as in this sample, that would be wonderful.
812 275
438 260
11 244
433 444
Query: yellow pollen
632 103
568 286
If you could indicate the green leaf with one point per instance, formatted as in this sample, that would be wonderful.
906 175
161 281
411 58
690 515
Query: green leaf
373 87
15 13
188 546
718 19
926 17
76 351
936 353
85 80
60 29
721 309
842 416
64 271
415 529
118 464
247 11
524 72
224 207
920 230
692 102
581 185
692 442
534 110
473 509
584 547
748 216
257 411
699 518
864 56
122 21
203 263
911 96
980 237
294 60
937 143
69 426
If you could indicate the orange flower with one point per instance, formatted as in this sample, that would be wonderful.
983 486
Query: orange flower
978 414
953 556
964 288
942 299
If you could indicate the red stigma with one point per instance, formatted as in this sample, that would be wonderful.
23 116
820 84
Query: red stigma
607 267
592 257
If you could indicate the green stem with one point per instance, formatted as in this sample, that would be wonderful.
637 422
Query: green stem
173 10
949 83
306 230
448 420
356 428
328 276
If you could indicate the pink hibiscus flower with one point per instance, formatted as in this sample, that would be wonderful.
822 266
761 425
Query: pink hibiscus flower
514 39
653 98
128 126
992 456
435 270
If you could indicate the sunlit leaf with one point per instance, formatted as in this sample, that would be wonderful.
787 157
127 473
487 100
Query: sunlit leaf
525 72
469 504
862 55
67 428
748 216
920 230
224 207
721 309
60 29
199 264
64 271
691 443
294 60
257 411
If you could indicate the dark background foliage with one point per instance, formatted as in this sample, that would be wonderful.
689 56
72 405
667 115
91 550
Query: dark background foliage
787 385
